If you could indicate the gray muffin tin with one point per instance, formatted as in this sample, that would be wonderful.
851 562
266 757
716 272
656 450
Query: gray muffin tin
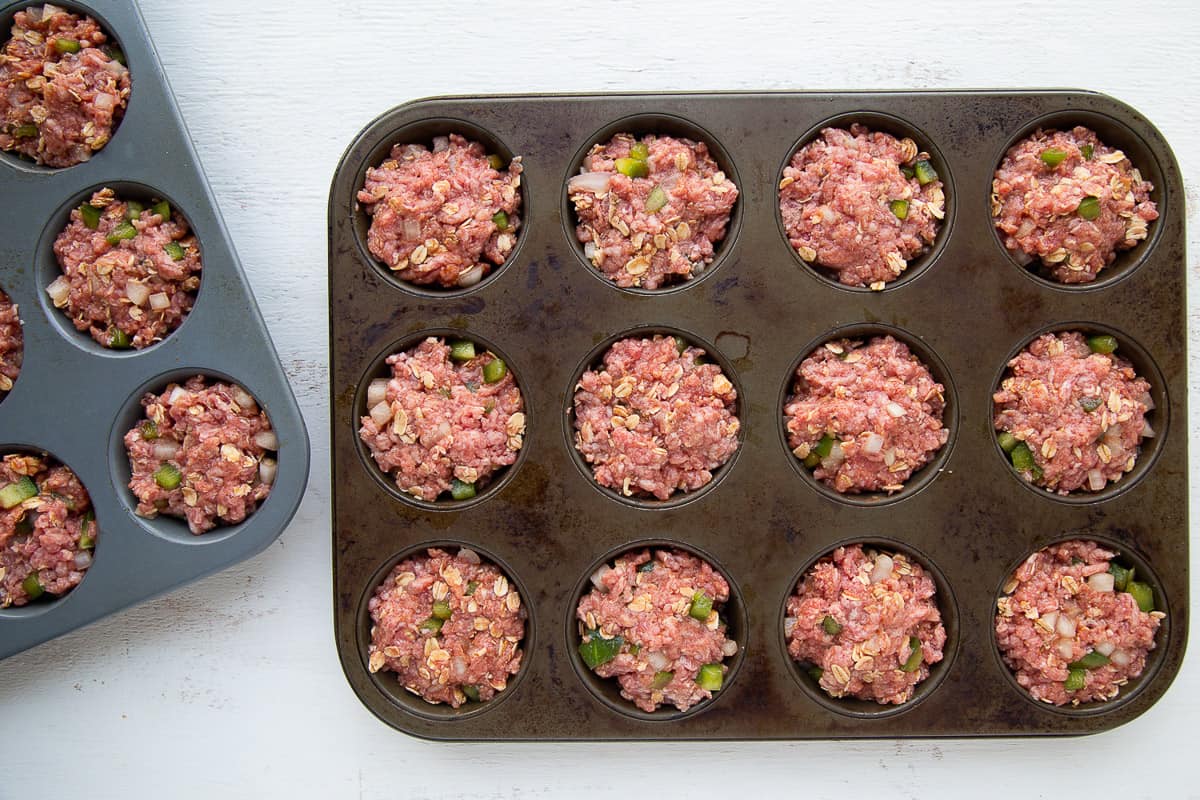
75 400
965 309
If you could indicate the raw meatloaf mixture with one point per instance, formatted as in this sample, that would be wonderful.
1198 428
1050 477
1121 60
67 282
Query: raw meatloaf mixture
1077 415
865 417
12 344
449 627
130 273
861 204
203 452
447 421
445 216
854 619
47 529
651 211
654 418
1070 200
62 89
654 626
1061 614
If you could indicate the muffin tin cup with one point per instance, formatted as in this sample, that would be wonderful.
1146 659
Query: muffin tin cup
75 400
759 310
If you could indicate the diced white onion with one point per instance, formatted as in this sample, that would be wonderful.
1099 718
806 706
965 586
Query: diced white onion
1066 648
1096 479
835 458
165 449
1105 648
1050 618
83 559
441 144
159 301
411 228
1065 626
874 443
589 250
595 182
1101 581
470 277
59 291
1147 401
104 101
895 409
883 569
789 624
468 555
177 394
889 456
1121 658
598 576
1147 431
381 413
241 397
267 440
731 647
266 470
138 293
459 667
658 661
115 67
376 392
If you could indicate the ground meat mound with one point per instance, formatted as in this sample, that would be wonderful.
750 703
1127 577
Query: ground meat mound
837 196
877 403
1051 615
445 216
662 647
40 538
1044 401
215 440
1037 210
58 107
853 617
655 418
440 421
132 279
466 653
633 245
12 344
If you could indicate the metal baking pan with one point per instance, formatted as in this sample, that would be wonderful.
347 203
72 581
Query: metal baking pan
75 400
965 308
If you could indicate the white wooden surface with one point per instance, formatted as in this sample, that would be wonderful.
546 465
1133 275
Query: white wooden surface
231 687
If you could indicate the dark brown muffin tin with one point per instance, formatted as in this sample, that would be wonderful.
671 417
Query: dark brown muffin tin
965 309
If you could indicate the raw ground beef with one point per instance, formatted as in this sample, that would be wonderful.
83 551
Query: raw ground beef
654 418
690 201
58 107
1044 401
876 407
646 604
12 344
837 201
853 617
46 540
201 453
438 421
1058 607
450 628
445 216
1037 209
130 280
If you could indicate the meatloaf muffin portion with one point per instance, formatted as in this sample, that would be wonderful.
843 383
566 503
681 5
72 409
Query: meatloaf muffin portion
1071 413
63 89
865 416
12 344
204 452
443 217
651 211
449 418
1074 625
449 627
861 204
47 529
654 625
130 272
1070 200
867 624
655 418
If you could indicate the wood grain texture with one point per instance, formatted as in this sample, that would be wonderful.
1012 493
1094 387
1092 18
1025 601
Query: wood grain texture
231 686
